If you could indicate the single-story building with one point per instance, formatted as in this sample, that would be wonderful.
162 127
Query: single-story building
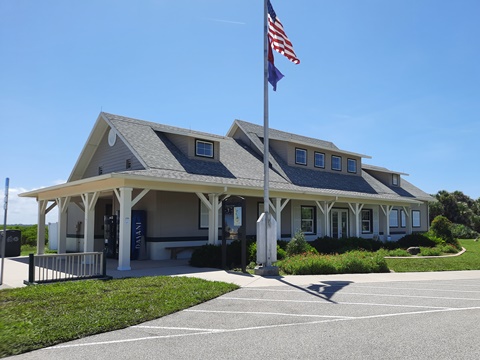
163 186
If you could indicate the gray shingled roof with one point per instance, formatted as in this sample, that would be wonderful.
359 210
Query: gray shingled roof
241 166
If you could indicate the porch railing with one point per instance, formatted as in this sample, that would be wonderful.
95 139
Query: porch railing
49 268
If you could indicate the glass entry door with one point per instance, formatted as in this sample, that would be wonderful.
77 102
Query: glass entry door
339 223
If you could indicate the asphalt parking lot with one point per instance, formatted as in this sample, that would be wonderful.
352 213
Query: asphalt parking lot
331 319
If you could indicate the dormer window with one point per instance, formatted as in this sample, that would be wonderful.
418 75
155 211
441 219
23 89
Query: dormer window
204 148
395 180
319 160
300 156
336 163
352 165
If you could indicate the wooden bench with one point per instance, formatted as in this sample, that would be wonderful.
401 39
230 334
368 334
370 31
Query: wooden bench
175 250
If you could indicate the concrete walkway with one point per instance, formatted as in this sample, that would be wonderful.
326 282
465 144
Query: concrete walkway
16 271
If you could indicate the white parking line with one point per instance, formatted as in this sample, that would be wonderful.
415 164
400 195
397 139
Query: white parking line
269 313
334 303
258 328
384 295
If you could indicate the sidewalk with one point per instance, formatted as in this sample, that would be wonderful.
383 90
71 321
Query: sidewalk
16 271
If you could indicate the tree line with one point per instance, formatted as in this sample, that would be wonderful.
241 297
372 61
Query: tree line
460 209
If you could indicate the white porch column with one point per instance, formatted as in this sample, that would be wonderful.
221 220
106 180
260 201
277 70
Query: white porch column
213 219
42 207
386 210
213 205
89 202
62 204
327 208
124 241
279 206
356 210
408 213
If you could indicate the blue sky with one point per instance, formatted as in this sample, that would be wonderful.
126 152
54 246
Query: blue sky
398 80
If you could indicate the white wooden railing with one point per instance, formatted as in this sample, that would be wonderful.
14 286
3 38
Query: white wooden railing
64 267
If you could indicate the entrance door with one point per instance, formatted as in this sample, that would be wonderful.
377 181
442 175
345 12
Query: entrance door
339 223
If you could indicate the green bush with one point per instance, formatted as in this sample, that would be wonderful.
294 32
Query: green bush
415 239
207 256
328 245
429 251
394 252
461 231
442 227
299 245
29 234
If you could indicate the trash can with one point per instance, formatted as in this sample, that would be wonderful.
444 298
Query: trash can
13 244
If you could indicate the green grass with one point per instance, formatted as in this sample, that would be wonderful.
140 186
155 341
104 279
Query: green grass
470 260
26 250
44 315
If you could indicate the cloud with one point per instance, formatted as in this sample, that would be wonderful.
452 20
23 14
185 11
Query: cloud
227 21
23 210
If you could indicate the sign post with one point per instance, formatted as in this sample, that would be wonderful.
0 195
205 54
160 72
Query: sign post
4 237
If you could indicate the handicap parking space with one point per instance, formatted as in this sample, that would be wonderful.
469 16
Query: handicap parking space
342 318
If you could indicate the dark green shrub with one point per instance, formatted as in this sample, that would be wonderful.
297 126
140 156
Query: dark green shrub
442 227
415 239
207 256
328 245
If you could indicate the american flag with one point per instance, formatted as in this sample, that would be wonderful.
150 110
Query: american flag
277 36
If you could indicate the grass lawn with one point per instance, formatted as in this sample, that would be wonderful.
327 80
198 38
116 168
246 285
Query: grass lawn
34 317
470 260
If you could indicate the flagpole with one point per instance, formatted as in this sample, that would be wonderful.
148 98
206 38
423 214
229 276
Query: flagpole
266 160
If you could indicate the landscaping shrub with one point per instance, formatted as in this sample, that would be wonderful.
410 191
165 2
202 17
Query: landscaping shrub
442 227
415 239
428 251
350 262
328 245
207 256
299 245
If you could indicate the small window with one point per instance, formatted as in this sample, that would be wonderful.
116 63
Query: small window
100 170
319 160
416 218
352 165
204 148
336 163
128 164
395 180
308 219
394 218
301 156
367 221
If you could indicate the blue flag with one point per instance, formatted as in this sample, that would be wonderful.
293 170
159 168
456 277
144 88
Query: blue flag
274 75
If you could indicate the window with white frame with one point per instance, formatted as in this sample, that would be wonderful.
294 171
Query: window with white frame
416 218
336 163
394 218
367 221
300 156
308 219
204 216
351 165
403 219
204 148
319 160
